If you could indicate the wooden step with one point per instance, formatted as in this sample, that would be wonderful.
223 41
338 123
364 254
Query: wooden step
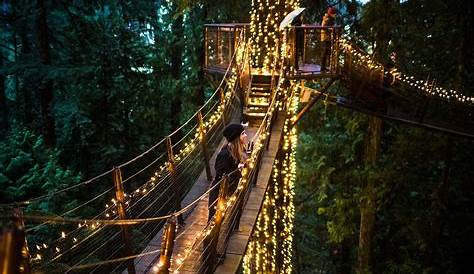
261 78
258 104
259 94
260 88
255 109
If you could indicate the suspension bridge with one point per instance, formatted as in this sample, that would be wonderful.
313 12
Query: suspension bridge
150 215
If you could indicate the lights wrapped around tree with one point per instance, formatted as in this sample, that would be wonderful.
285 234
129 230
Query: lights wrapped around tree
271 249
265 17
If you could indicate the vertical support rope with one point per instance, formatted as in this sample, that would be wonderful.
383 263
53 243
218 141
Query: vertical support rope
119 195
167 244
203 138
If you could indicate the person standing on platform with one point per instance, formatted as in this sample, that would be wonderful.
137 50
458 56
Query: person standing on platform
299 40
231 157
329 20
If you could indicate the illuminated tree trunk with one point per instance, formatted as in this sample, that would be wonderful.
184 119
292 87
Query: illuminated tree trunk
368 205
46 85
264 34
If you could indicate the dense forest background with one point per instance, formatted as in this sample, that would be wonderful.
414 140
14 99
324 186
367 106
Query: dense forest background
422 180
85 85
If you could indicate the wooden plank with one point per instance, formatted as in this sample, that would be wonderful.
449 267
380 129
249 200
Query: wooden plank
239 240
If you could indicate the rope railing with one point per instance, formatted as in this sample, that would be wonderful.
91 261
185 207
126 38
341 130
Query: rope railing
136 199
217 233
360 58
163 171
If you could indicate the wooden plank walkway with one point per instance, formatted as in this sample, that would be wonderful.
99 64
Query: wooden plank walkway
239 239
196 219
188 261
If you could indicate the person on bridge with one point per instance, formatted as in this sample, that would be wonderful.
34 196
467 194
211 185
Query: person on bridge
299 40
231 157
329 20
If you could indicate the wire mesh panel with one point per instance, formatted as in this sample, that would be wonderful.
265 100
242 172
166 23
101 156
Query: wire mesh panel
221 41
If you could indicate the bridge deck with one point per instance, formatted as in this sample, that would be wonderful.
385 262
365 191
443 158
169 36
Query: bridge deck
196 219
239 240
195 222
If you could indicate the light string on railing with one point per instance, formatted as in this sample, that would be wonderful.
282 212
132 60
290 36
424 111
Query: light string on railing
261 135
426 87
110 211
94 224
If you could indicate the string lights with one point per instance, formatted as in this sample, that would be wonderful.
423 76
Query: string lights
265 17
71 240
270 251
425 87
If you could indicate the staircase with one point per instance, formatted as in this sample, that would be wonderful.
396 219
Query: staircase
257 99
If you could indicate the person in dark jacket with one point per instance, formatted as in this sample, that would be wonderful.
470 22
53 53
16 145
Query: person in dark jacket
299 40
231 157
329 20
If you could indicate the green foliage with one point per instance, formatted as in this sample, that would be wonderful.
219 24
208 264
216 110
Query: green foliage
30 169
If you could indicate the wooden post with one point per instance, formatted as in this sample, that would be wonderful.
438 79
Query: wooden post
167 243
218 219
222 200
222 98
230 35
119 195
177 189
203 138
338 35
14 253
219 57
206 51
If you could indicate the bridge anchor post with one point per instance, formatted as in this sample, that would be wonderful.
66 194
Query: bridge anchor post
167 244
14 253
119 195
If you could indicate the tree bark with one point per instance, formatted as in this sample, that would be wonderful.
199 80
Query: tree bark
46 85
3 101
201 13
26 107
176 64
438 208
368 205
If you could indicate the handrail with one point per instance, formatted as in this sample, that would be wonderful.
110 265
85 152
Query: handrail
192 118
99 222
426 87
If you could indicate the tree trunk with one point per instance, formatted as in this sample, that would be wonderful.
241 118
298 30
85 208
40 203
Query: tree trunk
3 101
26 107
438 208
368 205
176 64
201 14
46 85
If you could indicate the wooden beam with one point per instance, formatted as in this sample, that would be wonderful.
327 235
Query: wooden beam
312 102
